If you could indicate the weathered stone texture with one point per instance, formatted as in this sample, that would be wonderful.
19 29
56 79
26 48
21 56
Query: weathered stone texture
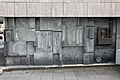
106 55
43 58
24 34
88 58
12 61
48 41
72 55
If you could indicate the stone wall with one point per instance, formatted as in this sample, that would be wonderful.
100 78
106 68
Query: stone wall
57 41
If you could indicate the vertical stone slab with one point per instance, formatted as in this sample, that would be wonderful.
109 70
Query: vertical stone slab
89 39
57 46
44 41
10 23
79 36
118 56
8 35
30 48
31 23
37 23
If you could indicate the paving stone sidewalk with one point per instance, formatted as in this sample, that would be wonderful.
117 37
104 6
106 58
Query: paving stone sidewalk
79 73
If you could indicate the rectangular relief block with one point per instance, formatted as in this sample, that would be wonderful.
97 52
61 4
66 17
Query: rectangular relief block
31 22
21 23
104 55
89 45
88 58
19 48
43 58
72 33
57 46
30 48
118 42
24 34
12 61
72 55
54 24
8 35
118 56
10 24
44 41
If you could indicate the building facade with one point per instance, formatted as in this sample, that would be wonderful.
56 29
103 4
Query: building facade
60 32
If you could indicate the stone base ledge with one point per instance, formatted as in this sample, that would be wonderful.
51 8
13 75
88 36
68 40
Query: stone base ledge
8 68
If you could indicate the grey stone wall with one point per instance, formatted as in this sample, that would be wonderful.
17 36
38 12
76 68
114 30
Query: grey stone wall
56 41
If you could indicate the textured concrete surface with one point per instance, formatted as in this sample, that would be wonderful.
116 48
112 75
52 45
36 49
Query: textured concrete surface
79 73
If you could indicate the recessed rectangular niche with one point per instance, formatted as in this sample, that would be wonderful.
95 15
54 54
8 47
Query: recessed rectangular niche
104 36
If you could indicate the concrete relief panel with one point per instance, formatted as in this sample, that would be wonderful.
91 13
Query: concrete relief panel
19 48
21 23
31 23
9 24
89 39
12 61
44 41
9 36
57 46
104 55
88 58
43 58
30 48
24 34
54 24
72 55
72 34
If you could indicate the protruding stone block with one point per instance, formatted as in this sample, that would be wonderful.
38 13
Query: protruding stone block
106 55
57 46
24 34
19 48
72 55
88 58
44 41
16 61
43 58
54 24
21 23
31 23
30 48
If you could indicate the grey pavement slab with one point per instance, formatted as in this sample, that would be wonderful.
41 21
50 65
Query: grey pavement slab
79 73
